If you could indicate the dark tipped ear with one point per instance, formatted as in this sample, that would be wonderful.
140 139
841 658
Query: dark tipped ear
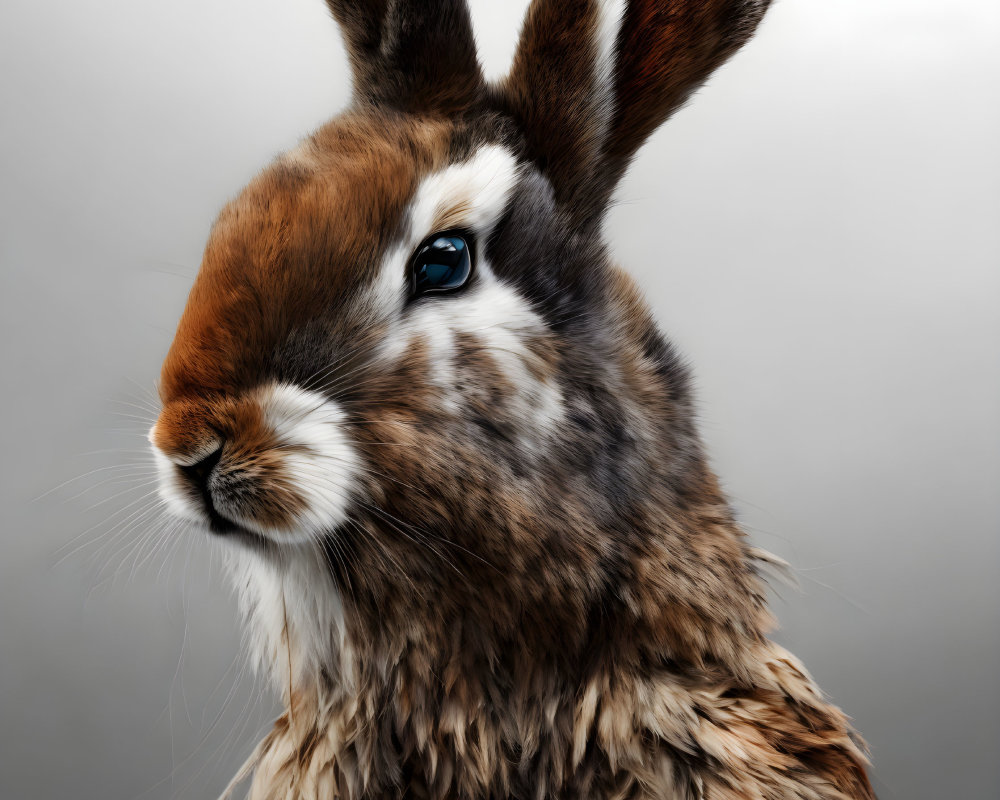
592 79
417 56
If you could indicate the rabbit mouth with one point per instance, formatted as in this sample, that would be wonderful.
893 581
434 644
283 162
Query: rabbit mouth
218 524
273 465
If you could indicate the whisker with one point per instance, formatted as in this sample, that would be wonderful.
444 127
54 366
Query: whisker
123 510
47 492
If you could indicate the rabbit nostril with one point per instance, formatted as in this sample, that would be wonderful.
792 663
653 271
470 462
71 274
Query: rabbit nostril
200 472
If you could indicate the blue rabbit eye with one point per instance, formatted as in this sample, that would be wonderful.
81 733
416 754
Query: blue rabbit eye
442 264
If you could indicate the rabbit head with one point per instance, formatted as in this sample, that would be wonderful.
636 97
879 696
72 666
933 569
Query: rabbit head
412 389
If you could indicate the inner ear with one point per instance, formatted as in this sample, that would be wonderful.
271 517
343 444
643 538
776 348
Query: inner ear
416 56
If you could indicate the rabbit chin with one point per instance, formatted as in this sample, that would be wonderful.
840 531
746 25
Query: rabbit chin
311 474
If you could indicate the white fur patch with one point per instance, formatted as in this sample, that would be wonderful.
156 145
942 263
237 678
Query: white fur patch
610 16
481 186
472 194
171 487
501 320
294 614
290 601
317 460
317 457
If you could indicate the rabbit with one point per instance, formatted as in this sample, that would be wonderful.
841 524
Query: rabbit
452 459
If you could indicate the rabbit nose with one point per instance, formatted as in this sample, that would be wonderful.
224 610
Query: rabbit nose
200 472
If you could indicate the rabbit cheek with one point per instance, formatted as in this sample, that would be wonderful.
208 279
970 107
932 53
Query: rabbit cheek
509 381
319 463
495 362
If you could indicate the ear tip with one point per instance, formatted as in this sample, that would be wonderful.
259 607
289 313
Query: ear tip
416 56
583 121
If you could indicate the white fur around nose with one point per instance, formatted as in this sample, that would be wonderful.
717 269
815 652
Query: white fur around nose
170 487
318 459
318 462
291 604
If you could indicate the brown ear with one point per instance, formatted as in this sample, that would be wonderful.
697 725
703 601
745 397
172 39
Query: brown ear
592 79
417 56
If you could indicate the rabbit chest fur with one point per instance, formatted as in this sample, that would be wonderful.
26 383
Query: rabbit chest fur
441 710
452 459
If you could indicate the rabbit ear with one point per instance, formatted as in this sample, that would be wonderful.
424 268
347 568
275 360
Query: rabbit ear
417 56
592 79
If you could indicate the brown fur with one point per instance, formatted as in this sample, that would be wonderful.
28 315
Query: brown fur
269 264
584 138
664 735
453 687
527 613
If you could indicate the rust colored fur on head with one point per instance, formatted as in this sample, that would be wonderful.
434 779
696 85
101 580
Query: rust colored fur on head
337 199
501 566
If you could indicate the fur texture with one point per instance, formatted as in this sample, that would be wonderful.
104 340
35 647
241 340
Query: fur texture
474 534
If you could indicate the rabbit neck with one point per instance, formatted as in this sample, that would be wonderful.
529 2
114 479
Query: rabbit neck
632 693
433 693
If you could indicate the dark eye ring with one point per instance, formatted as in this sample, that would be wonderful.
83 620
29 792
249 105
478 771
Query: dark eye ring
442 263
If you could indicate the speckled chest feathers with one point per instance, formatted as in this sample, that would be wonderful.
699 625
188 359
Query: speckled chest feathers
450 457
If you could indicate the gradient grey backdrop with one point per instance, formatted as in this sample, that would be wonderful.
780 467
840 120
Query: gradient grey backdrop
817 231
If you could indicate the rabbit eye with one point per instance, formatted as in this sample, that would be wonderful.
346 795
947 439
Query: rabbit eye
442 263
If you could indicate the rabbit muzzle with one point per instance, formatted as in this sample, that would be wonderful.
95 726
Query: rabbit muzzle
274 462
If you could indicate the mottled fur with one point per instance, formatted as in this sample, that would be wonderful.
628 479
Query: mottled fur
475 535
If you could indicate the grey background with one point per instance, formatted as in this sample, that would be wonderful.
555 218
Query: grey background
817 231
